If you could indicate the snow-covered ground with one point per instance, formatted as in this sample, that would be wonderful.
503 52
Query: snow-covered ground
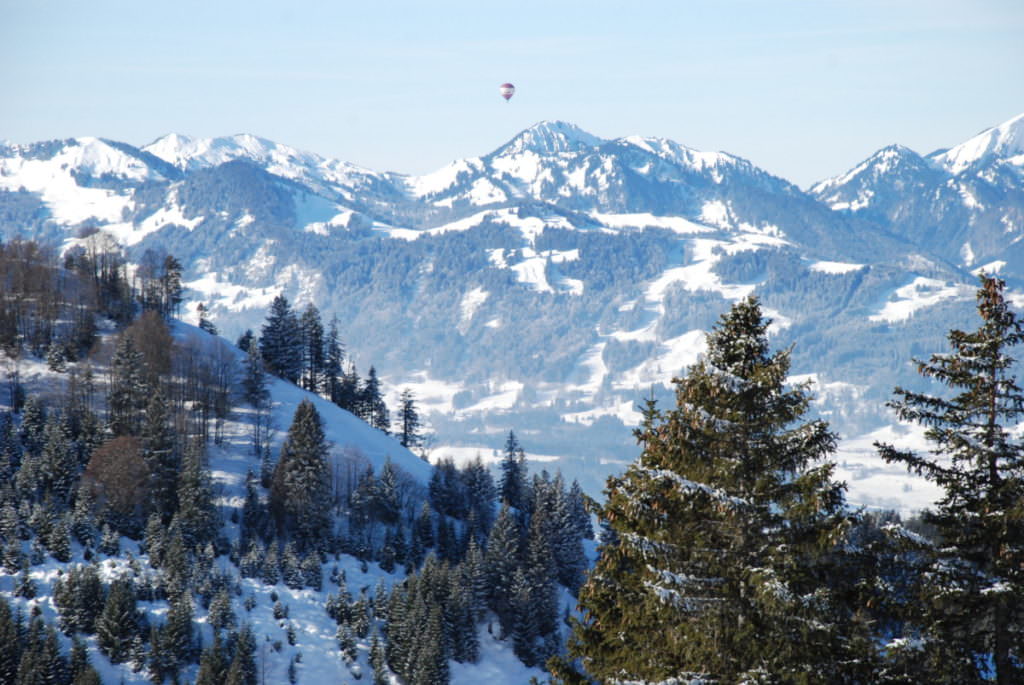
920 293
315 631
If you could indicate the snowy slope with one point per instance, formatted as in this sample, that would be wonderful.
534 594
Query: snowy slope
1005 141
315 631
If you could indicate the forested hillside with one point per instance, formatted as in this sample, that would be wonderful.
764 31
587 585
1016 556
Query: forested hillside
172 510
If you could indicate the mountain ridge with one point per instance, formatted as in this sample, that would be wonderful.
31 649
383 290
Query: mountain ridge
547 290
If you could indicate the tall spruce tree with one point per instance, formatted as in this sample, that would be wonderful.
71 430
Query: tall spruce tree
725 533
242 670
300 491
197 515
500 563
118 623
312 331
10 643
58 465
512 486
281 341
334 357
128 391
408 421
254 379
160 453
971 607
373 410
171 288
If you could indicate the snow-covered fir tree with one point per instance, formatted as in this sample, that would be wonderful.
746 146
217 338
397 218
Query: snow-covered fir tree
970 607
281 341
300 491
726 527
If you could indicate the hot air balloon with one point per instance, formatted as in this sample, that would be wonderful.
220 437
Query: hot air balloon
507 90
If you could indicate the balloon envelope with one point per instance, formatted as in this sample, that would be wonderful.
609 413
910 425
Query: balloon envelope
507 90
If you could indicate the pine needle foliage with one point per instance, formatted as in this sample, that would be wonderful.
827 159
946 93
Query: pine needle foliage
724 561
971 608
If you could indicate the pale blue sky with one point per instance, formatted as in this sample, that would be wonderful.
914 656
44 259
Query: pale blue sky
804 89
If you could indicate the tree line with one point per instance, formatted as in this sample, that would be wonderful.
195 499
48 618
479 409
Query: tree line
297 348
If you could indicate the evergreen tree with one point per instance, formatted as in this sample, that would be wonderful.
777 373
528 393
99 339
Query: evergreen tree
155 539
334 357
79 596
118 623
213 665
462 620
300 492
386 504
26 586
254 379
160 453
577 502
291 568
128 391
53 667
251 565
480 494
10 448
378 662
524 624
271 571
473 570
56 357
254 515
80 670
33 423
446 489
197 515
176 636
564 529
58 540
204 321
971 606
58 465
171 287
243 664
176 562
221 616
725 534
500 563
408 421
312 332
432 660
347 642
312 572
245 340
83 524
373 410
10 644
281 342
513 488
110 541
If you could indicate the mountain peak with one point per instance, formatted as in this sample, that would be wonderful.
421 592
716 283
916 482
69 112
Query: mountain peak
1004 140
186 152
550 138
883 161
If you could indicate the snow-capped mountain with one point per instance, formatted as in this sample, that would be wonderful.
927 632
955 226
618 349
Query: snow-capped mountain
547 285
1003 144
965 204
